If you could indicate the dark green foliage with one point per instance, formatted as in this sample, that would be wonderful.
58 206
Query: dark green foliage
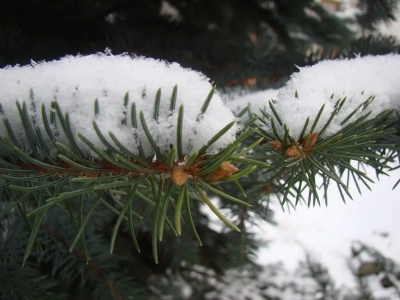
373 45
215 37
17 282
230 40
374 12
56 273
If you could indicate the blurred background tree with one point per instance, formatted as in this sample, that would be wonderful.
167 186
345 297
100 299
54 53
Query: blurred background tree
228 40
253 44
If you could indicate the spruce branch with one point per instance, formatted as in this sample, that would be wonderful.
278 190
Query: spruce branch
115 171
296 164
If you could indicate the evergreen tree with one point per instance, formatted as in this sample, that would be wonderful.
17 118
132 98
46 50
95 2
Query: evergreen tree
63 209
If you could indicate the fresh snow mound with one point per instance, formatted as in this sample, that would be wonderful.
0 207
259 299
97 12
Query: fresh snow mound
356 79
76 81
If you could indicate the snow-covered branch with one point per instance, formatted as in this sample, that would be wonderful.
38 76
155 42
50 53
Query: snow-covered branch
75 83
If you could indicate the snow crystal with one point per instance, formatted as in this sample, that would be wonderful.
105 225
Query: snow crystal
76 81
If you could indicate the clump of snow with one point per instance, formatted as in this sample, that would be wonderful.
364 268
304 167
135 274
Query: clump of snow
324 84
356 79
76 81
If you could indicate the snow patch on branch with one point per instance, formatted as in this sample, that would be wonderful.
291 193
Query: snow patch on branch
356 79
324 84
76 81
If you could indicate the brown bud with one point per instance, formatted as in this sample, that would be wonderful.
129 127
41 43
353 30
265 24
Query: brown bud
311 141
292 151
252 81
179 176
277 145
253 38
224 170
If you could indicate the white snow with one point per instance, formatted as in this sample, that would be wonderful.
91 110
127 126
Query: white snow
169 12
75 82
324 84
356 79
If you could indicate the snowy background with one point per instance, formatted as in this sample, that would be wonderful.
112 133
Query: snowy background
328 232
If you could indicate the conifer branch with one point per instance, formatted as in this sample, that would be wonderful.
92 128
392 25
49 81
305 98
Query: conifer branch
116 170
